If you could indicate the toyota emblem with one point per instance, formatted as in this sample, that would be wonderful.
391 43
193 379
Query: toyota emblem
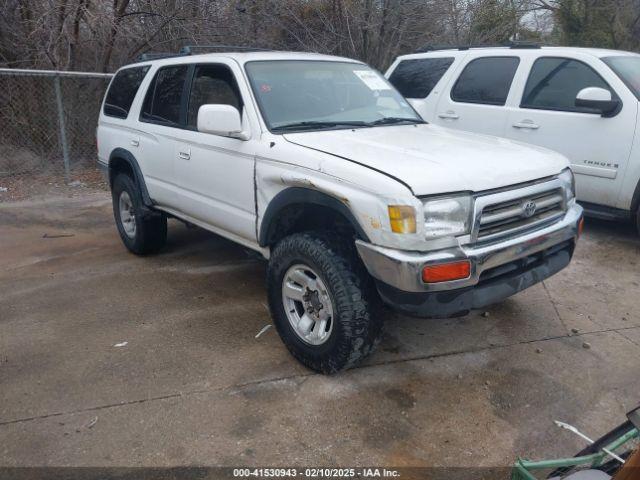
529 208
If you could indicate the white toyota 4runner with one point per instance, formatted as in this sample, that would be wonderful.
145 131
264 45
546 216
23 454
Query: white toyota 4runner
320 165
581 102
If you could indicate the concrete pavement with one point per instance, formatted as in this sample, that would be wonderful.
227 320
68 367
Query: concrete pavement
193 386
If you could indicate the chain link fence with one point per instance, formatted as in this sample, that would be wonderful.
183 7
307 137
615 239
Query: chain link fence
48 123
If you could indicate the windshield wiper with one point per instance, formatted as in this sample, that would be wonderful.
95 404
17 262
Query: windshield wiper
320 124
392 120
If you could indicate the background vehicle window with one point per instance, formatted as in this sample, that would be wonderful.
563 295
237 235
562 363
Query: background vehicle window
164 97
554 83
212 84
628 69
486 80
123 90
416 78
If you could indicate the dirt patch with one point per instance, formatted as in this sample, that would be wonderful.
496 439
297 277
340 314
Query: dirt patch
32 186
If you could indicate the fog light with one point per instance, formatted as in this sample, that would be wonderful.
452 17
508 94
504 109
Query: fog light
445 272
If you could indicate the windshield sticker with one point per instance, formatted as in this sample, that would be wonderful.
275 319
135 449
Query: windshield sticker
265 88
372 80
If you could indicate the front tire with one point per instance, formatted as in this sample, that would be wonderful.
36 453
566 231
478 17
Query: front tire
322 301
142 230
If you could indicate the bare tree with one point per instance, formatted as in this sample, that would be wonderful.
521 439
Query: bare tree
102 35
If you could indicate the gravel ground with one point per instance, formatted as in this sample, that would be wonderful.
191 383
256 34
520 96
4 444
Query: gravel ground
107 359
40 187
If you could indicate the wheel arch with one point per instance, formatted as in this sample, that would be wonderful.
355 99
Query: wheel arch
635 200
122 160
289 206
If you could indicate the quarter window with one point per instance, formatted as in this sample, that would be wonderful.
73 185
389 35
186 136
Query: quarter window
486 80
416 78
554 83
163 101
123 90
212 84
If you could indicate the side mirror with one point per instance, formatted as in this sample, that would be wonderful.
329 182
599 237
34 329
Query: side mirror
223 120
598 99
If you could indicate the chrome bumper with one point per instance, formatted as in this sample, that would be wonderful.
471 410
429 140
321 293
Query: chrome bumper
403 269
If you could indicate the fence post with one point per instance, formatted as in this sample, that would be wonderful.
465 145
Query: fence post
63 129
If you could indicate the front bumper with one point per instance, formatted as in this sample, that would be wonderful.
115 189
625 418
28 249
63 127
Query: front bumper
498 270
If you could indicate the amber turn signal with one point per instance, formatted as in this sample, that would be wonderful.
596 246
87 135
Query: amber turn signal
580 227
402 219
445 272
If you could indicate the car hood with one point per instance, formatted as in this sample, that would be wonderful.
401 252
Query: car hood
431 159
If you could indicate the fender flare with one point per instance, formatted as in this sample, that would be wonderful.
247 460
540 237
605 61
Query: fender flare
635 200
126 156
300 195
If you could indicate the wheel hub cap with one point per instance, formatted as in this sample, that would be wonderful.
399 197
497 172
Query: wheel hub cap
307 304
312 303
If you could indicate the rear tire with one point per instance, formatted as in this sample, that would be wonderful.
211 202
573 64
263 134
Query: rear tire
323 301
143 231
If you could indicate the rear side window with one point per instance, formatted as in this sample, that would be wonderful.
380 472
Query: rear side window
123 90
163 102
212 84
416 78
554 83
486 80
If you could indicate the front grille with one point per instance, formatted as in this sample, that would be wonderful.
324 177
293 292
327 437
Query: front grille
512 216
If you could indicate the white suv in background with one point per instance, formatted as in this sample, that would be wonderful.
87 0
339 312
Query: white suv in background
321 166
580 102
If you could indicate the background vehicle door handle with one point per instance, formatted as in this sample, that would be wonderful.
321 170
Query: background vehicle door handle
135 142
526 124
449 115
185 155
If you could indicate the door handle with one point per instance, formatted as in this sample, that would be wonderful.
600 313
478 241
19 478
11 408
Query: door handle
135 142
185 155
526 124
449 115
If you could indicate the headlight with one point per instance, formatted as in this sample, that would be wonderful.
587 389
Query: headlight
447 216
569 183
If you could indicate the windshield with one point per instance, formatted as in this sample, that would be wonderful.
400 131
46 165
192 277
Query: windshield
628 69
312 95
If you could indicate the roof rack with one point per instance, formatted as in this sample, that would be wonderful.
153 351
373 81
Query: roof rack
156 56
524 45
189 50
513 45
